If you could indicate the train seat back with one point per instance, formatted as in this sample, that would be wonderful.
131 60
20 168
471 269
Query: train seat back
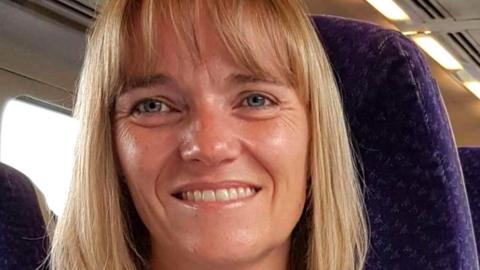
415 193
24 239
470 159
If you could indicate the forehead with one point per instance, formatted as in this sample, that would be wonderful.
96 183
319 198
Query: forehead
203 46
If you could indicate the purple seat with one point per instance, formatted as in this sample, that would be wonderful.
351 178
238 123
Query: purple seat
470 159
415 195
23 237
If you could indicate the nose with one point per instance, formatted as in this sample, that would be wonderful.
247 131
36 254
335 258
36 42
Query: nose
210 140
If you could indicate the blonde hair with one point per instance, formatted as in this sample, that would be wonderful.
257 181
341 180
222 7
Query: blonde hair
47 215
96 232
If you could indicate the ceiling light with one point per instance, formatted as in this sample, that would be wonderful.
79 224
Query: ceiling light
389 9
474 87
410 33
437 52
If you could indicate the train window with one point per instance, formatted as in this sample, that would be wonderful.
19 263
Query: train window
39 141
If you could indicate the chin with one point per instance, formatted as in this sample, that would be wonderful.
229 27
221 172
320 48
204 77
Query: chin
224 251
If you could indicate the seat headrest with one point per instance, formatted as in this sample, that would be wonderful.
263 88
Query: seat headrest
415 196
23 236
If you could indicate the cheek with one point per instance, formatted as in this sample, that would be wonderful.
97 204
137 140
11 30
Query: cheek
282 147
142 154
282 150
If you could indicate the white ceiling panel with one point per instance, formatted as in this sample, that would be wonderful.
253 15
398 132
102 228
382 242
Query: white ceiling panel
476 36
462 9
90 3
39 47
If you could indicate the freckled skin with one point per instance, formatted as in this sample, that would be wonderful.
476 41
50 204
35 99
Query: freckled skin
210 134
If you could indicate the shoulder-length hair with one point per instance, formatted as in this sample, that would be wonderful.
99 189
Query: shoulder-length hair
99 228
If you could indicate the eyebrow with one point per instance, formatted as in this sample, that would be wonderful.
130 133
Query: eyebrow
149 81
163 79
240 78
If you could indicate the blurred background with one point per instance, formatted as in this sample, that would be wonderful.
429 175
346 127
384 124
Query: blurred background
455 24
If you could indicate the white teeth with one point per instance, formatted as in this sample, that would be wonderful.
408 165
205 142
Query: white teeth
190 196
232 193
208 196
197 195
222 195
218 195
241 192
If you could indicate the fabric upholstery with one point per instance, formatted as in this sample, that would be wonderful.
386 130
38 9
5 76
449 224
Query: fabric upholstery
470 159
415 194
23 240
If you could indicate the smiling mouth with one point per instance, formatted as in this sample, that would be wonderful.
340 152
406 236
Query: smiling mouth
217 195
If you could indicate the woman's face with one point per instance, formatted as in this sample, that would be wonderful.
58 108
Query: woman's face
214 157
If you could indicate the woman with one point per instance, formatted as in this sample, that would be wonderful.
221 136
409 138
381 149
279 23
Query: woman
212 137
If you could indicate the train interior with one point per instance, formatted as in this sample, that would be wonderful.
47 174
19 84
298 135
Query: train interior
42 44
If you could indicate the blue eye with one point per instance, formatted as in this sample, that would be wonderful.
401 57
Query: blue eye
257 100
150 106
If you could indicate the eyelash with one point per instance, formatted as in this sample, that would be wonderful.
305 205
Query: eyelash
270 102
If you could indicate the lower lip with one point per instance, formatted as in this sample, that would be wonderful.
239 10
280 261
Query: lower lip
217 204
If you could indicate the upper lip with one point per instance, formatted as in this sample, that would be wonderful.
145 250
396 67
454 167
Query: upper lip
210 185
